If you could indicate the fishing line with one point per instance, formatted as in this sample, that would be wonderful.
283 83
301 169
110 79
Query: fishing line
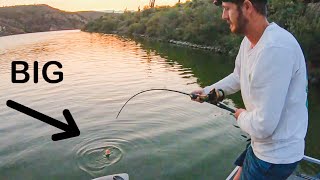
193 96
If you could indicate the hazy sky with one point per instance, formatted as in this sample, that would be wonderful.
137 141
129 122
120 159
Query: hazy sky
79 5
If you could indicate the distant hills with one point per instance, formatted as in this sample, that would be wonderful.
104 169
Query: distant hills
38 18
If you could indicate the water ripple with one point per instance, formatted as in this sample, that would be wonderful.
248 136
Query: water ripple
91 155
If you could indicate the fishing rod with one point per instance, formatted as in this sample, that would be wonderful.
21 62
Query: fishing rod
205 98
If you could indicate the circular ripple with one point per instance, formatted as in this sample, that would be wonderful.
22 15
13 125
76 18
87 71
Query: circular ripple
96 155
91 155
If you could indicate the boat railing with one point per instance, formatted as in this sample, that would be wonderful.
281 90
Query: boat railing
311 159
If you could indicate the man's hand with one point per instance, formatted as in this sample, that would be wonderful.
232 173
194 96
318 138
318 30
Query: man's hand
199 93
238 112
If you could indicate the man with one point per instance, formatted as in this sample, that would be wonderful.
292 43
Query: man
270 71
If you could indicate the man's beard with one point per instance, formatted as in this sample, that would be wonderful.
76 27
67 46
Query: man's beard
241 23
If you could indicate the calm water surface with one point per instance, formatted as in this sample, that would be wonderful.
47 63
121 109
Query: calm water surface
159 135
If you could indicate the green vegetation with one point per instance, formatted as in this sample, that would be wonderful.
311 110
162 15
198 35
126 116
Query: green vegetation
199 22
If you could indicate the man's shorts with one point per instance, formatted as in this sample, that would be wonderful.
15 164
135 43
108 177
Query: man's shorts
254 168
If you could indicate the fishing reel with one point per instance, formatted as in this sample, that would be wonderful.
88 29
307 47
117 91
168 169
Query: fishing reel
214 96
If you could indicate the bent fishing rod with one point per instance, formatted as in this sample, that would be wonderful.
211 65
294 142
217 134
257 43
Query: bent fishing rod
209 98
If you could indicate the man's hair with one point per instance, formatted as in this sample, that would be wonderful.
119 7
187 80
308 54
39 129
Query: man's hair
259 5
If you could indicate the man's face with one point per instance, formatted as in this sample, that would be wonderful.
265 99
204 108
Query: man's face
234 17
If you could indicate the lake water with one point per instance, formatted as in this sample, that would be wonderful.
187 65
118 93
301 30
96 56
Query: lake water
158 135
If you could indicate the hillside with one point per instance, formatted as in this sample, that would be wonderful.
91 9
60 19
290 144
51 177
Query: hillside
38 18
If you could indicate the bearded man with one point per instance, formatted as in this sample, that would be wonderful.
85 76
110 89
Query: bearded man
270 71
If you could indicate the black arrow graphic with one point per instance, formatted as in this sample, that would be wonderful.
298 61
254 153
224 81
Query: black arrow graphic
71 129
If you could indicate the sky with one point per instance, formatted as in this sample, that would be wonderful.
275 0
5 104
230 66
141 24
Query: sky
83 5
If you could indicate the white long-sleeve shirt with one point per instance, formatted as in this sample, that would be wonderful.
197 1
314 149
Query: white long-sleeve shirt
273 82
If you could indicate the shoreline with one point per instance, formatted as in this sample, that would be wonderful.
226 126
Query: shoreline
184 44
313 73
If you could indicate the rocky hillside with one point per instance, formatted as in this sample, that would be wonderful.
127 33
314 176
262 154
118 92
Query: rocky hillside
38 18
